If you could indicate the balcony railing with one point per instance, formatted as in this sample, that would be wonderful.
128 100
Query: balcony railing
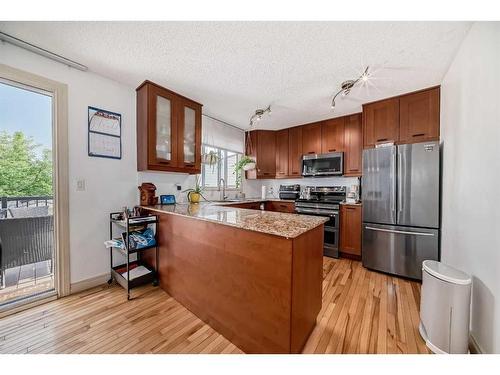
18 202
26 234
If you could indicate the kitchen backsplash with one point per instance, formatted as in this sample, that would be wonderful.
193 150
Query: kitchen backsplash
252 188
166 184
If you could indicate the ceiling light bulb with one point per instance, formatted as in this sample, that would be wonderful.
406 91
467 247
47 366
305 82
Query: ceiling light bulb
364 77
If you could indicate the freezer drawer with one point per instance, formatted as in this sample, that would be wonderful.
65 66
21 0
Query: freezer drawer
398 250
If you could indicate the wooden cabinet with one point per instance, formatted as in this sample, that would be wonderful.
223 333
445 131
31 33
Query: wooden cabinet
381 122
247 205
280 206
350 229
282 153
407 118
419 116
353 145
295 151
168 130
261 146
277 206
311 138
332 135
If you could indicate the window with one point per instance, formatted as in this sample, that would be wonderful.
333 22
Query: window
225 168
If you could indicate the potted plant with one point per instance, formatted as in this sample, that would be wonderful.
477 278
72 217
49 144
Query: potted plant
195 194
211 158
246 163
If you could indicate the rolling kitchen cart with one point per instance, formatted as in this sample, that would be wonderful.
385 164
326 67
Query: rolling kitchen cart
121 272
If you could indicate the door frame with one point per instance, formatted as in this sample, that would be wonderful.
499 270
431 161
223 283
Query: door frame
60 153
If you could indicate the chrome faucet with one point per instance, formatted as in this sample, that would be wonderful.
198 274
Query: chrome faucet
222 184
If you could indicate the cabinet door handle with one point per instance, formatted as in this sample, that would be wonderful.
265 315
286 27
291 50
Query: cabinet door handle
311 152
382 140
418 135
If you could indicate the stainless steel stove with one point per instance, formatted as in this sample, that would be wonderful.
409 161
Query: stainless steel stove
324 201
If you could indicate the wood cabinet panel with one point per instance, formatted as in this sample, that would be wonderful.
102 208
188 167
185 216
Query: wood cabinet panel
261 146
266 154
264 294
350 229
282 153
419 116
189 135
353 145
161 128
167 125
381 122
332 135
247 205
287 207
311 138
295 151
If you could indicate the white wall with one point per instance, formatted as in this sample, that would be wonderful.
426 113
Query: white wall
470 128
110 184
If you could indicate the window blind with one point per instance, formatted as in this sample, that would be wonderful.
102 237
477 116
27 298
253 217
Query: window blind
218 134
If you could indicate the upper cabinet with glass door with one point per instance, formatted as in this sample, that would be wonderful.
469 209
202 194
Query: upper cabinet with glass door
168 130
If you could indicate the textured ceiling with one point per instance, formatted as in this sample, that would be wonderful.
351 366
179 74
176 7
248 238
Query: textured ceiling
234 68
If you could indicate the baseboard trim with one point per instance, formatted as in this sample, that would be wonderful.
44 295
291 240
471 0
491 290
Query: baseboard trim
82 285
27 303
474 347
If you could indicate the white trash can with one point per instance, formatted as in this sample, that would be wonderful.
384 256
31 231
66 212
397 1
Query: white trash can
445 308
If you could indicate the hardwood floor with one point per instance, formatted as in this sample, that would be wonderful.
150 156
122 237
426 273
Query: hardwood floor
366 312
363 312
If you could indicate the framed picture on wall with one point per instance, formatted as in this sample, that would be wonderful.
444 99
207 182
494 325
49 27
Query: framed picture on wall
104 133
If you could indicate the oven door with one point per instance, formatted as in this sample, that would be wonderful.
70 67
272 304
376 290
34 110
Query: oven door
331 244
323 165
331 237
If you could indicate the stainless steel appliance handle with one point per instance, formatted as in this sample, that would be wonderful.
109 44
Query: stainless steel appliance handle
394 186
400 181
316 212
400 231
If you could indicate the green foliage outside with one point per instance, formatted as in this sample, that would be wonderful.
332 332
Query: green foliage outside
23 170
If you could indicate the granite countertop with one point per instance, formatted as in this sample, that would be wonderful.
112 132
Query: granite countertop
280 224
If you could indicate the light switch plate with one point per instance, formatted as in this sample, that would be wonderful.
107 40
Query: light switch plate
80 185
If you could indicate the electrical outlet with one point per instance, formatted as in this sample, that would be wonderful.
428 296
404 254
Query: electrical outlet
80 185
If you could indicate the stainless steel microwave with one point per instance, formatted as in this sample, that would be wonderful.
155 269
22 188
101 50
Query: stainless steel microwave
319 165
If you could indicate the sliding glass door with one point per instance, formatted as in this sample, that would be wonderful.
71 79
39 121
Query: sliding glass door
27 250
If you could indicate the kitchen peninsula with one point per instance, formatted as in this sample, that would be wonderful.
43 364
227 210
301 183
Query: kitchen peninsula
254 276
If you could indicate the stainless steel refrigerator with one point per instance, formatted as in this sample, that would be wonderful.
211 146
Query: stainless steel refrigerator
401 204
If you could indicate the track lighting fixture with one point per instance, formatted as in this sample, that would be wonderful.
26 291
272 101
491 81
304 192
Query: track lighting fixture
346 86
258 115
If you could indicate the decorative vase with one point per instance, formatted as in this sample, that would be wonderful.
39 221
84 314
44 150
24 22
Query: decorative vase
249 166
194 197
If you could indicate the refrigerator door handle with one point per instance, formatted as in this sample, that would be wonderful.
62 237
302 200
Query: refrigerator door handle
394 186
400 183
400 231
